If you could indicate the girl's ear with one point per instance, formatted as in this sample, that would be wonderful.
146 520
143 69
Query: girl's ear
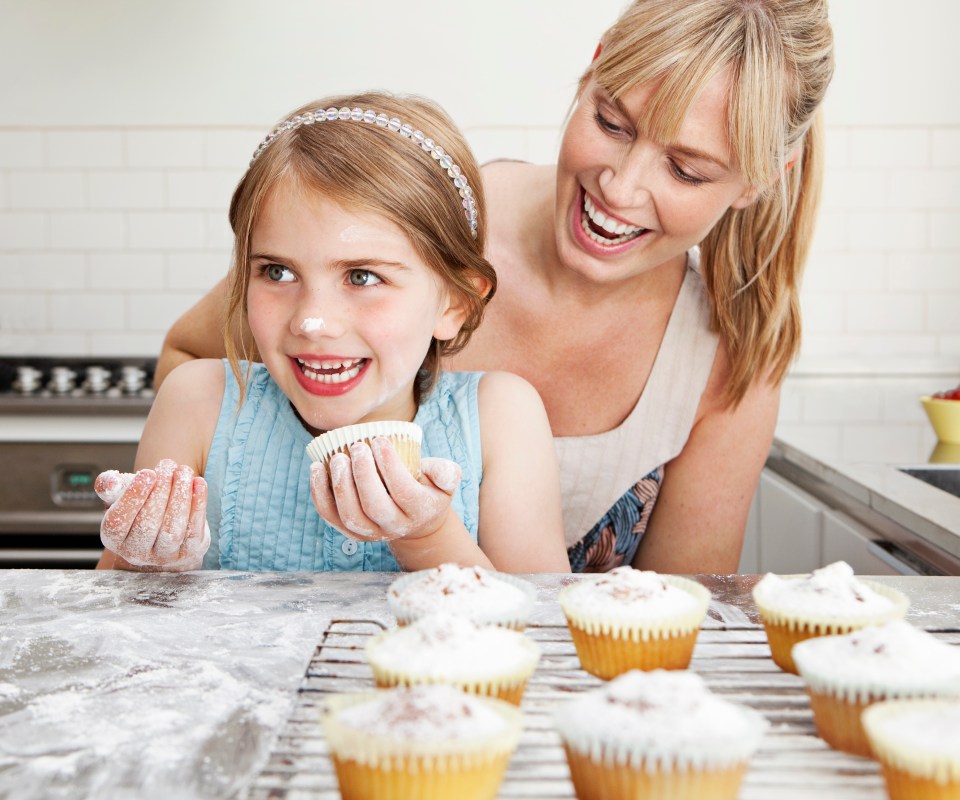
454 313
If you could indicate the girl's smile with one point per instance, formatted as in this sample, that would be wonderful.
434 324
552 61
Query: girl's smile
342 308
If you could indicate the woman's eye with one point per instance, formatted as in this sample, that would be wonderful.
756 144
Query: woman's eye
606 124
363 277
277 273
686 177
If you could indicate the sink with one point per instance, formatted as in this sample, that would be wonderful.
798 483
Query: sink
945 478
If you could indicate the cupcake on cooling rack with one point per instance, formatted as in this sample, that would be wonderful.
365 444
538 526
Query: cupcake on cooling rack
657 734
485 596
845 674
405 437
829 601
425 742
444 648
917 743
631 619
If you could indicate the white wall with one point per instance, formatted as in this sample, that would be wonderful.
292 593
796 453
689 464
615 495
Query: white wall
124 126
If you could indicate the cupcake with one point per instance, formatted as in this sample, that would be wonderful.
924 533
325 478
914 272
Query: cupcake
917 743
444 648
631 619
405 436
657 734
845 674
486 597
829 601
423 742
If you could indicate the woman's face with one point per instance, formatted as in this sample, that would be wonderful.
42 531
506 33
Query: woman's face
342 309
627 204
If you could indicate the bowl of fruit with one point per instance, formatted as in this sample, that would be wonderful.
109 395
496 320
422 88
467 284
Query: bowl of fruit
943 411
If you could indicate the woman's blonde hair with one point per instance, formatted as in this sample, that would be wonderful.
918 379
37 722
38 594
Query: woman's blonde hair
780 56
371 168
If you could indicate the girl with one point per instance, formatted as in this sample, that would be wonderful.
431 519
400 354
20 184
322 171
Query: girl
670 240
357 265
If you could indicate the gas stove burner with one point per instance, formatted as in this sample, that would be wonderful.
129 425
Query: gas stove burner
86 385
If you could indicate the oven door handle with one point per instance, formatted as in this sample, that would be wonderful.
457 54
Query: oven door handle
50 521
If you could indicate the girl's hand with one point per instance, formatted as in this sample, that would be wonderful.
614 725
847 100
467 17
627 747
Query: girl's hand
360 504
156 519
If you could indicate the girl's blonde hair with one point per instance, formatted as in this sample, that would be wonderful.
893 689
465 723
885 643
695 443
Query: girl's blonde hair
780 54
371 168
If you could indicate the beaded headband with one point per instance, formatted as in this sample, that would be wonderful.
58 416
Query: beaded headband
391 124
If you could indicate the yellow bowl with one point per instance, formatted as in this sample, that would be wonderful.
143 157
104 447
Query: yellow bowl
944 415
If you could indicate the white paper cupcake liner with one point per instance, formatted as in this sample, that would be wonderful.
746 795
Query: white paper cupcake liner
883 725
406 437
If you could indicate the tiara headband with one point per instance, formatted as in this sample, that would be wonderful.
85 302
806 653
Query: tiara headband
391 124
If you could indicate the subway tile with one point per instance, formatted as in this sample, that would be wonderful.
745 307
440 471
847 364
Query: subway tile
824 440
21 230
219 235
823 312
43 270
84 148
944 230
126 271
842 272
87 230
890 147
166 230
836 153
883 443
901 399
165 148
543 145
875 312
823 403
157 311
943 312
22 149
87 311
39 343
923 271
46 189
887 231
127 343
925 188
855 188
126 189
206 189
830 233
945 147
4 193
490 144
22 311
198 270
231 149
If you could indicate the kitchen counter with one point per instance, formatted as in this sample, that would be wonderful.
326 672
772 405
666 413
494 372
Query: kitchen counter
128 685
843 439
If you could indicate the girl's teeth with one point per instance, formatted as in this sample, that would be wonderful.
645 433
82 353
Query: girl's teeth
347 370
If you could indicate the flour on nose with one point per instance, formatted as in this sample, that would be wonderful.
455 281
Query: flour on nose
312 324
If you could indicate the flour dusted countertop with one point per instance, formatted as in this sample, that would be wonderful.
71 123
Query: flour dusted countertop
852 434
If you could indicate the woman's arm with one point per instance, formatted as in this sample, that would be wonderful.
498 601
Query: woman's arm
521 525
698 523
158 520
198 333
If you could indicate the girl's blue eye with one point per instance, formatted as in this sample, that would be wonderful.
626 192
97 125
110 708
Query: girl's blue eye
278 274
363 277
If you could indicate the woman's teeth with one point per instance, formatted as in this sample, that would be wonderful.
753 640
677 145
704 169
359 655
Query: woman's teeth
615 232
339 371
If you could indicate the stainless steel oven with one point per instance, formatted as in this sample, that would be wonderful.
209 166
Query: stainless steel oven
62 422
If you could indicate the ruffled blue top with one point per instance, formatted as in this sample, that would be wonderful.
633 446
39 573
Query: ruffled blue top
259 509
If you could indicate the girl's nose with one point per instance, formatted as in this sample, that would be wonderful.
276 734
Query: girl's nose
315 321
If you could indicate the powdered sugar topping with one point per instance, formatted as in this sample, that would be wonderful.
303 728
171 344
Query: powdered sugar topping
830 590
444 645
433 711
469 591
632 591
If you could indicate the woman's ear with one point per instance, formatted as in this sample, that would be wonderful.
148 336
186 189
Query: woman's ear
748 197
453 315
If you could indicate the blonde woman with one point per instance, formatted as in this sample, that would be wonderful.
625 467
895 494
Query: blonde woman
358 265
648 282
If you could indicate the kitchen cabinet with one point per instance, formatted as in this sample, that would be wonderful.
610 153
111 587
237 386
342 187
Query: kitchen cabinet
791 531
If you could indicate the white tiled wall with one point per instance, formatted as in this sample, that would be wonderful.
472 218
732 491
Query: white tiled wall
114 184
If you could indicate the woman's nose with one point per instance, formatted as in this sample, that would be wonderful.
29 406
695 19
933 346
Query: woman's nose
627 183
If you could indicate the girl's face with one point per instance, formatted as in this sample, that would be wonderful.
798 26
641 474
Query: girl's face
627 204
342 309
